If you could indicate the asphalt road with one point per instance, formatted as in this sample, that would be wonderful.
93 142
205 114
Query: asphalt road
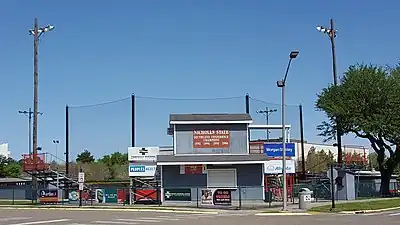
59 217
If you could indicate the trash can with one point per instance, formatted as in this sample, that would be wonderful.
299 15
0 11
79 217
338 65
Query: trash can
305 198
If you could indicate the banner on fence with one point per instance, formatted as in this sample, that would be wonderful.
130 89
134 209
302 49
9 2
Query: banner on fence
216 197
73 196
181 194
48 196
110 195
145 195
100 197
121 196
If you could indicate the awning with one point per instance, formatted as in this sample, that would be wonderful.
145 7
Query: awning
211 159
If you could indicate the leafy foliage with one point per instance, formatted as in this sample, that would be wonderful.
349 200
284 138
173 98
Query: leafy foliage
9 167
85 157
109 167
367 104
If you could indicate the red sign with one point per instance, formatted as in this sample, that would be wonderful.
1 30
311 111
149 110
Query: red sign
193 169
211 139
146 195
121 194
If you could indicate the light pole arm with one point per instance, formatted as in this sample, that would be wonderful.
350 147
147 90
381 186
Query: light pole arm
287 71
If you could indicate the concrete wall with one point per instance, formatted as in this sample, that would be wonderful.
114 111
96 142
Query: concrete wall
238 139
249 179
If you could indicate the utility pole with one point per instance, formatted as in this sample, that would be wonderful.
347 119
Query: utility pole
303 157
267 112
331 32
37 32
29 114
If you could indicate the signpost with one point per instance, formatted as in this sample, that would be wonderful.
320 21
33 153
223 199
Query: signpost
81 181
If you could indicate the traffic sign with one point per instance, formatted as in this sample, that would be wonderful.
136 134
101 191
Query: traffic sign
81 177
81 186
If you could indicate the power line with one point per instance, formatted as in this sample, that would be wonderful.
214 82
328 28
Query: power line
189 99
100 104
155 98
270 103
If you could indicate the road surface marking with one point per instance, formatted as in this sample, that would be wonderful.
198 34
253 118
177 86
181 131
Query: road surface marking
112 222
152 220
159 217
395 214
15 218
169 218
41 222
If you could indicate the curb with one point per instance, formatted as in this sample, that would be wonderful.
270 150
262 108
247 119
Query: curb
369 211
112 209
283 214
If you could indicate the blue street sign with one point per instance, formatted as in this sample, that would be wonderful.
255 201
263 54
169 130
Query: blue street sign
275 149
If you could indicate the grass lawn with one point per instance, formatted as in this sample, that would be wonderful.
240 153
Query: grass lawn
15 202
356 206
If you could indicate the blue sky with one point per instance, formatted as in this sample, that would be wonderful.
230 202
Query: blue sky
102 51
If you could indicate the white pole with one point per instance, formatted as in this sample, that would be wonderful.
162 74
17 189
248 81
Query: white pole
284 149
57 184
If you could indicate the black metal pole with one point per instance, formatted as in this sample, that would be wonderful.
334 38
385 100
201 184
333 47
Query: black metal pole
303 158
66 150
67 140
30 131
133 120
332 188
247 103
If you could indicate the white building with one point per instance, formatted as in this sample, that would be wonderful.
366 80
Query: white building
4 150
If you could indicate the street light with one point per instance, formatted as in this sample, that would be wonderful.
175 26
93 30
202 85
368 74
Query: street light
29 114
56 142
331 32
37 32
282 84
267 112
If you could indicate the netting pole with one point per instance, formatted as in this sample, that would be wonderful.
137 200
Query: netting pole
303 164
247 103
133 120
66 150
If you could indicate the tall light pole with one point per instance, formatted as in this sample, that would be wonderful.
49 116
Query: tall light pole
29 114
56 142
37 32
331 32
266 113
282 84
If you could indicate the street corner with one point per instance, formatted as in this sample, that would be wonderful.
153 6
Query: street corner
369 211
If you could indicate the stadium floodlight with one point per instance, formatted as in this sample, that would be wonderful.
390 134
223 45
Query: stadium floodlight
42 30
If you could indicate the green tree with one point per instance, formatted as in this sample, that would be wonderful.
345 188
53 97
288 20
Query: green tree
317 162
113 162
9 167
85 157
367 104
373 161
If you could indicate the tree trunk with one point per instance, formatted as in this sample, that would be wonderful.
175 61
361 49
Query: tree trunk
386 174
